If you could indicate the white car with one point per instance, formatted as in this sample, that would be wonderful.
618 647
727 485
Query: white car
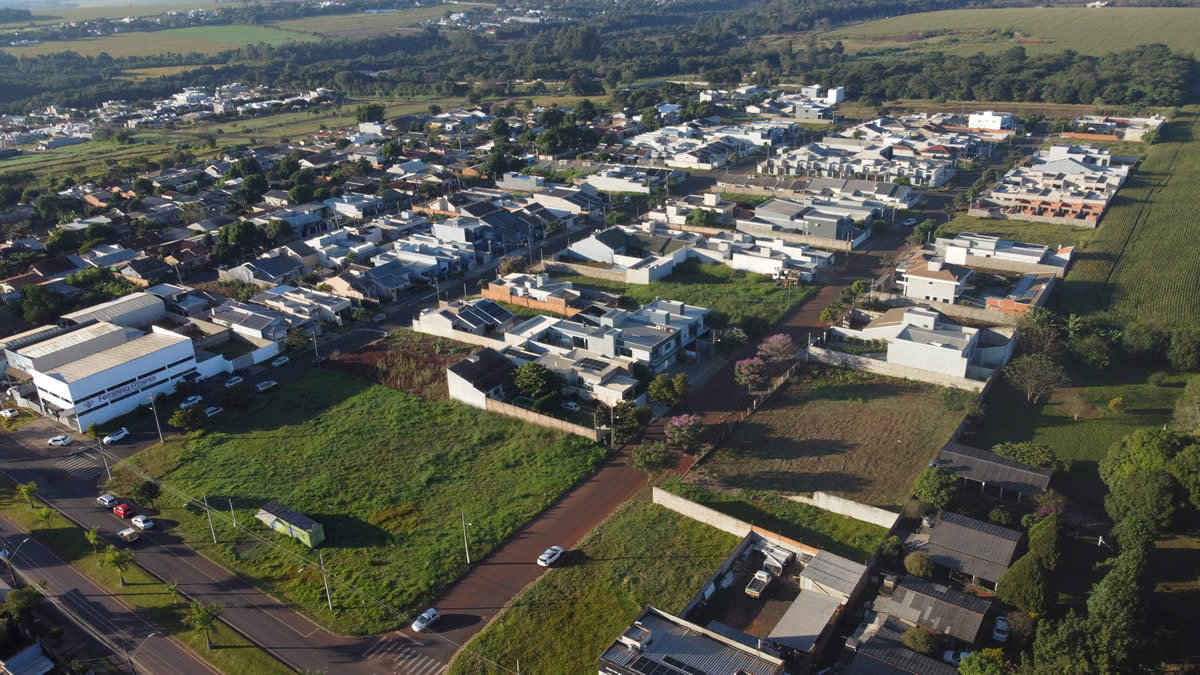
570 405
10 413
60 441
551 554
427 618
190 401
1000 629
266 385
281 361
233 382
142 522
106 501
954 658
115 436
214 410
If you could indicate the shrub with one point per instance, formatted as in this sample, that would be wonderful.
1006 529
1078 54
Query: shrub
1029 453
546 403
890 548
934 487
919 564
1044 538
919 640
1001 517
683 430
187 419
650 457
1117 405
1025 585
778 347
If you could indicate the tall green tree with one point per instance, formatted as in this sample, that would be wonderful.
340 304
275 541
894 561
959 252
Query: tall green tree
1026 585
118 559
934 487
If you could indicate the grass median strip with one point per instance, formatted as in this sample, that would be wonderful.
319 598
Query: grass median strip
142 591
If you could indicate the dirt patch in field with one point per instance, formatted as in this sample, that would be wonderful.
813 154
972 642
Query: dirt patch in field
408 361
1074 404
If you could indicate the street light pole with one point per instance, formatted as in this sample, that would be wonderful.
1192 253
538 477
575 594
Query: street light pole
316 354
466 546
157 425
129 655
8 557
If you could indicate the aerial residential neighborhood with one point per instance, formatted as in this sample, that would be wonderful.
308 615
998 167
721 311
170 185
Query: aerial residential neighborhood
651 339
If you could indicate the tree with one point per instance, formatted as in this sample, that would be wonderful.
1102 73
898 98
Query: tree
934 487
202 618
370 112
1001 516
684 430
278 229
1039 333
146 492
41 305
298 340
651 118
1146 341
1044 539
750 373
919 564
93 537
1025 585
20 602
173 592
776 348
626 420
651 457
26 491
984 662
1143 450
1144 494
46 515
188 419
534 380
1091 350
662 388
499 129
118 559
1028 452
681 385
919 640
701 218
1036 375
1064 646
830 314
1184 352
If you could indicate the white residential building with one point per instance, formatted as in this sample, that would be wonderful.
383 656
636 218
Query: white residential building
991 120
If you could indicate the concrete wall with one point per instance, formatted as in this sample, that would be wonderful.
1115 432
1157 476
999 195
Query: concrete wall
849 508
541 420
816 242
958 311
1000 215
429 328
700 513
855 362
980 262
941 360
559 266
463 392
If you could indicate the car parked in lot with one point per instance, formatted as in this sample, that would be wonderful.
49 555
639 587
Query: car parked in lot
570 405
379 318
190 401
233 382
9 413
213 411
60 441
953 657
550 556
910 222
427 619
115 436
142 522
106 501
1000 629
266 385
129 535
123 510
281 361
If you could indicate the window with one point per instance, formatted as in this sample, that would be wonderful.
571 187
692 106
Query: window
183 360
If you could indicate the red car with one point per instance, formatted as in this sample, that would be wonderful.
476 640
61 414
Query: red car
123 510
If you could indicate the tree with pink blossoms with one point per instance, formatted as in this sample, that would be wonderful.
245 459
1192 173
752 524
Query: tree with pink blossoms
751 373
684 430
778 347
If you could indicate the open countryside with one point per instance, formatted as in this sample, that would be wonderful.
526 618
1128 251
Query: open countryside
197 39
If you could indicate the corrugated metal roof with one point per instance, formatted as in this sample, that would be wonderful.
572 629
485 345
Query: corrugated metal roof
972 546
834 571
116 357
938 608
885 654
676 642
107 311
75 337
804 621
988 467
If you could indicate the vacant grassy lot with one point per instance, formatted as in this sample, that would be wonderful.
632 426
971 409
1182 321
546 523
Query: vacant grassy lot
361 25
386 473
1132 268
735 297
856 434
1082 440
1020 230
155 71
409 361
827 530
81 158
1038 30
642 555
202 39
144 593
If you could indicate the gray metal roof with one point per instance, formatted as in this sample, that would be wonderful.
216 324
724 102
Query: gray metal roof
988 467
296 520
972 546
938 608
885 654
680 645
116 357
805 620
835 572
121 308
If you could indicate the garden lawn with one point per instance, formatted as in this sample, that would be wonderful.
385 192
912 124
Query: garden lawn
838 534
642 555
1082 441
386 473
859 435
142 592
735 297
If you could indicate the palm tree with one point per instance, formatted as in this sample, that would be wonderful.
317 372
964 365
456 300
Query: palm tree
45 516
118 559
202 617
93 538
173 591
27 491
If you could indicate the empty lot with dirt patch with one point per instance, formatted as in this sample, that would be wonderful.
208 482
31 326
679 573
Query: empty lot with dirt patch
860 435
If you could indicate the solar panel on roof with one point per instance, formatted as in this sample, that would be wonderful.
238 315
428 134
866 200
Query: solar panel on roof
592 364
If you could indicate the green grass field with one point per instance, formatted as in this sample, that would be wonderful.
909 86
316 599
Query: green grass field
642 555
203 39
1137 265
735 297
360 25
1038 30
386 473
1047 234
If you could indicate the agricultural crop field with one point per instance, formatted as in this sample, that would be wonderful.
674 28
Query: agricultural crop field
1140 263
83 158
360 25
386 473
1038 30
52 15
202 39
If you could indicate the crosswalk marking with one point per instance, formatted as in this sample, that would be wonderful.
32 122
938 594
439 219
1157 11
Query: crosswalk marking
80 466
397 653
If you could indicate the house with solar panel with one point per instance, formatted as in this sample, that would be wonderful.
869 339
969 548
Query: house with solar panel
657 643
477 317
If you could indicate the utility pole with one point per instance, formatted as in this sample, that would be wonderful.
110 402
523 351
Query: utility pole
328 597
8 557
208 512
232 513
103 457
466 546
316 353
158 426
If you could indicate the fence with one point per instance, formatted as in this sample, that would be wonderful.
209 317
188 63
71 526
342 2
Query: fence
849 508
714 518
526 415
855 362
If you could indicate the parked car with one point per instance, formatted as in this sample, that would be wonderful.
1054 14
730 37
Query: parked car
1000 629
129 535
550 556
10 413
115 436
318 360
123 510
427 618
233 382
106 501
953 657
190 401
570 405
266 385
379 318
60 441
213 411
142 522
910 222
281 361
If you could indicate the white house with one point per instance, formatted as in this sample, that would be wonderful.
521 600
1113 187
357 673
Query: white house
928 277
991 120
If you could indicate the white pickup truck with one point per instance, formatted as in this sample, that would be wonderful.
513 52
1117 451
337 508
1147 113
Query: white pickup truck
758 583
